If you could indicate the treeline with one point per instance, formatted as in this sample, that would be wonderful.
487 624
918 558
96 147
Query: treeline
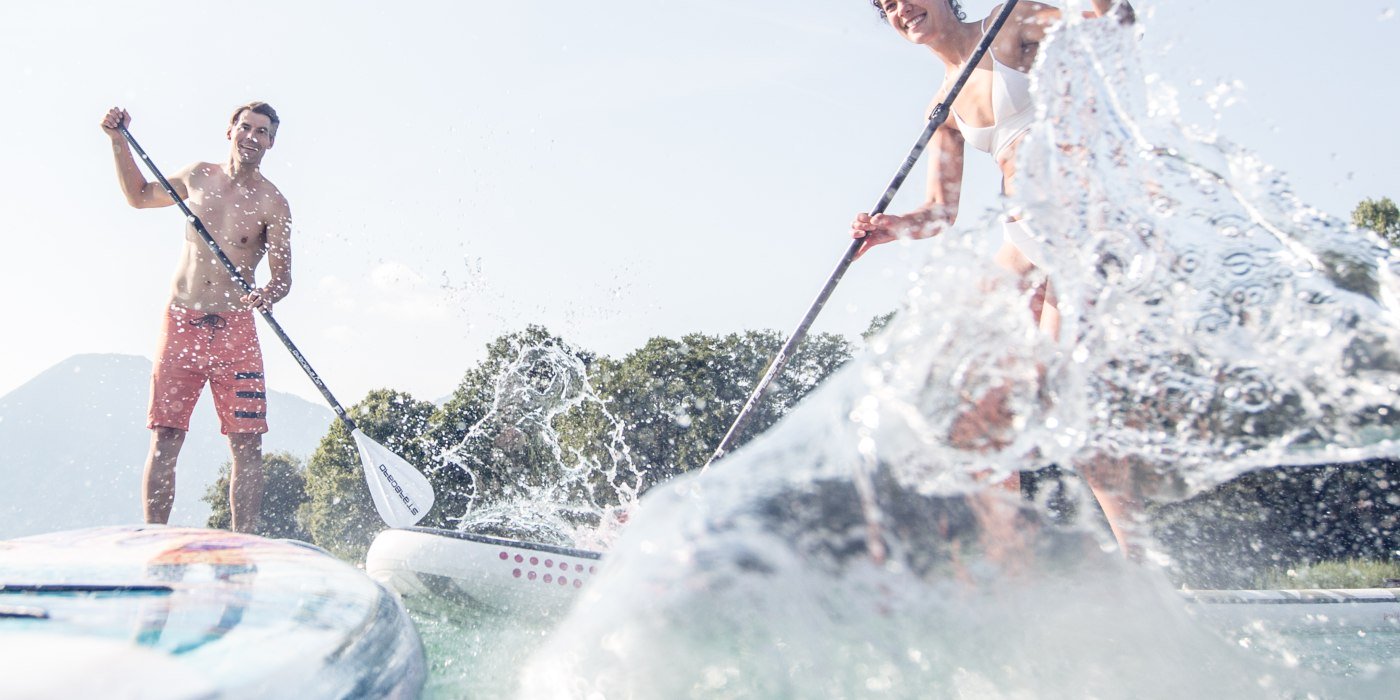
1277 519
673 398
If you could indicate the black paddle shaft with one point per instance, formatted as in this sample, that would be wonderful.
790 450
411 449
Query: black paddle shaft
242 282
935 120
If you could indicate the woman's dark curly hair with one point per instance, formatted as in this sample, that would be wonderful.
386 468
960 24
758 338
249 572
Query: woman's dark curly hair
957 8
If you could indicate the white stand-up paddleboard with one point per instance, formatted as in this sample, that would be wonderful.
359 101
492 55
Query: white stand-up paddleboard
507 575
522 577
167 612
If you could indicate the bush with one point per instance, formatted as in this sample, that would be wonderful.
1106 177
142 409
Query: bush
1348 573
1280 519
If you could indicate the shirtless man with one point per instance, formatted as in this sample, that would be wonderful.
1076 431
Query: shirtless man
208 334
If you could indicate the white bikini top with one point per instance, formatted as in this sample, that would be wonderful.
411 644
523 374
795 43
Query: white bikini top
1012 110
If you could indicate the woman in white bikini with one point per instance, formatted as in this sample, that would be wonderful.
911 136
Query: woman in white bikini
992 113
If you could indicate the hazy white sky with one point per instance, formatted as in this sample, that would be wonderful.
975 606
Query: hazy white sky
612 170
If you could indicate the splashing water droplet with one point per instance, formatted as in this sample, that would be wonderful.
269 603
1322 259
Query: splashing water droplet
524 482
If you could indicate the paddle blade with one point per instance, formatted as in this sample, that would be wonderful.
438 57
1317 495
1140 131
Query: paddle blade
401 494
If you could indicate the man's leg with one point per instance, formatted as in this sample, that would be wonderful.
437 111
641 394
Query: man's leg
245 484
158 482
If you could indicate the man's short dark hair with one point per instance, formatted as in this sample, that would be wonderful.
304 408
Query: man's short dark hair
256 107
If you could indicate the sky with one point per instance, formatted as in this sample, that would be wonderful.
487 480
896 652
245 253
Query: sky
613 171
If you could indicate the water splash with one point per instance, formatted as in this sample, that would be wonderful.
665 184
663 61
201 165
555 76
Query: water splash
1213 324
524 481
1218 324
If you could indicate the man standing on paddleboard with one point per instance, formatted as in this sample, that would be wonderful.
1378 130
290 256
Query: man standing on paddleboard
208 334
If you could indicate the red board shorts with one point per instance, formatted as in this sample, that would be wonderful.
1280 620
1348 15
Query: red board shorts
221 349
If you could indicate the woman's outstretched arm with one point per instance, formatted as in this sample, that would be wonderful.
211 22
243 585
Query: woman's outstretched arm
1118 9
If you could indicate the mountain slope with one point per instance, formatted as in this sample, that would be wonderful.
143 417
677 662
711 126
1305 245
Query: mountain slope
73 444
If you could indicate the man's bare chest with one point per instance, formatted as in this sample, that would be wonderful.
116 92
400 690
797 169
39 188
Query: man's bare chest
235 217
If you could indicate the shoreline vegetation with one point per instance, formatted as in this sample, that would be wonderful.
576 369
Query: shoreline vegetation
1338 574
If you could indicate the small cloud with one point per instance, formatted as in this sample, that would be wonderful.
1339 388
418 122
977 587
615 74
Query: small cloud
337 294
394 275
399 292
331 283
341 334
411 307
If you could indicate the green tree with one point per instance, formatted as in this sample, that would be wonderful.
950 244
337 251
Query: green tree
1381 216
338 513
284 490
677 398
658 412
877 324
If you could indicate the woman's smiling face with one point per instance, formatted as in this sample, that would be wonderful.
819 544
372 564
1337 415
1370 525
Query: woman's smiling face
915 20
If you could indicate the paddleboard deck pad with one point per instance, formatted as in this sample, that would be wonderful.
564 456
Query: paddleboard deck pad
167 612
507 575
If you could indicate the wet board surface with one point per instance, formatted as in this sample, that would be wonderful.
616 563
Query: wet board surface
166 612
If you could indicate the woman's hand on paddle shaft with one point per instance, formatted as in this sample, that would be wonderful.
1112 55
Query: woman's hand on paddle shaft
877 229
883 228
116 117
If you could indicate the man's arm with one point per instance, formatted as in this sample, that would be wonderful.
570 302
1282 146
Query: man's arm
138 191
279 259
